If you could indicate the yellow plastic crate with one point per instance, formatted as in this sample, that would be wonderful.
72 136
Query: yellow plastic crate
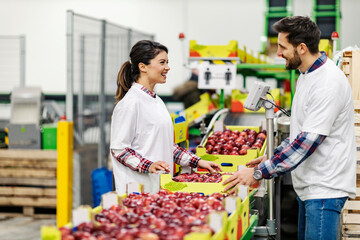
198 236
219 51
244 215
230 229
50 233
219 235
232 226
203 107
326 46
238 99
166 182
230 163
180 128
238 221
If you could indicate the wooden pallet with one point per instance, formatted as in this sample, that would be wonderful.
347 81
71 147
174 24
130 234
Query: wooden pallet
28 182
28 211
351 63
351 216
351 211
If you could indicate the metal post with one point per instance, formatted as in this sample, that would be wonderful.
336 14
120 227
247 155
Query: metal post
129 39
22 61
70 65
278 206
81 89
269 114
102 112
270 152
64 172
270 228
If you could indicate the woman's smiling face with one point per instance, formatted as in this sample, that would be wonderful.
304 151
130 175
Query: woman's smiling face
158 68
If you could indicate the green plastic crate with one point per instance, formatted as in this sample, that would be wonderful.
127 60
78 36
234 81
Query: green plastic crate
48 135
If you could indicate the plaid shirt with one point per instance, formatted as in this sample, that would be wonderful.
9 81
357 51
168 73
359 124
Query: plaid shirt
153 94
185 158
131 159
281 146
318 63
288 156
136 162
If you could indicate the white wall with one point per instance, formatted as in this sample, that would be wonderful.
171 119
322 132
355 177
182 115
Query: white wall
207 21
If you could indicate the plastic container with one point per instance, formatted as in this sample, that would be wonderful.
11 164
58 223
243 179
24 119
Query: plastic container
166 182
101 179
48 136
230 163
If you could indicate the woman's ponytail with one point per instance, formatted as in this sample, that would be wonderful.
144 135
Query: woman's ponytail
124 80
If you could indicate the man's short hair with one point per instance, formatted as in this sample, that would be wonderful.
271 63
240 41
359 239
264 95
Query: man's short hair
300 29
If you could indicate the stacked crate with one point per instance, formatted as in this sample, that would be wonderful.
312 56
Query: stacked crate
28 183
351 212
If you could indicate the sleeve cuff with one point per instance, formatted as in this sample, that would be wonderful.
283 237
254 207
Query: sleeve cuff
144 166
194 160
264 171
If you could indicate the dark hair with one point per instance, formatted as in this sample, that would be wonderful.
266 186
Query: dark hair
142 52
301 29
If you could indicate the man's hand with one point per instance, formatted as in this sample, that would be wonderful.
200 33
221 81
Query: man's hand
242 177
210 166
256 161
159 166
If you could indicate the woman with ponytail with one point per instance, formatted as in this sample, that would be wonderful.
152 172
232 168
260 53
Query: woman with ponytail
142 134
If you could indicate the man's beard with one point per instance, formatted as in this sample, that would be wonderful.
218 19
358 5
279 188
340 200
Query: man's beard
295 62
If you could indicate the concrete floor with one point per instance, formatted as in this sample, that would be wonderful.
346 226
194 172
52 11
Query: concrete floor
22 228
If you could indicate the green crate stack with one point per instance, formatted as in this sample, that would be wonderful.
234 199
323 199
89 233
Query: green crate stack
327 15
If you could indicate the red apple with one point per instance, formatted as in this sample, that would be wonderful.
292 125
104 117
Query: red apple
243 151
211 142
245 146
252 132
231 142
228 147
244 134
238 145
234 152
261 134
247 130
257 145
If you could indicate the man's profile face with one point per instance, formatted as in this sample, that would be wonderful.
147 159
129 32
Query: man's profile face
287 51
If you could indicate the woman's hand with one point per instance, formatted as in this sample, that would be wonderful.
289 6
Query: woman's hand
210 166
256 161
159 166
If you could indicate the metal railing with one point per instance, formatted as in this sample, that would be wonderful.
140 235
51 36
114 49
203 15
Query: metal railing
12 62
96 50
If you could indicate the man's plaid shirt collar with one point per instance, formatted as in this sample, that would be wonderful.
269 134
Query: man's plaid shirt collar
318 63
152 94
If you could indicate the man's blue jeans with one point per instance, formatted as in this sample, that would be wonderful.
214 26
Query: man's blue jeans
319 218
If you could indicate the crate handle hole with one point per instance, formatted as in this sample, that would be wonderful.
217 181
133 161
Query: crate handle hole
227 164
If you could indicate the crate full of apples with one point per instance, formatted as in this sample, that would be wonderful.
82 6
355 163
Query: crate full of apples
235 146
162 216
204 183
